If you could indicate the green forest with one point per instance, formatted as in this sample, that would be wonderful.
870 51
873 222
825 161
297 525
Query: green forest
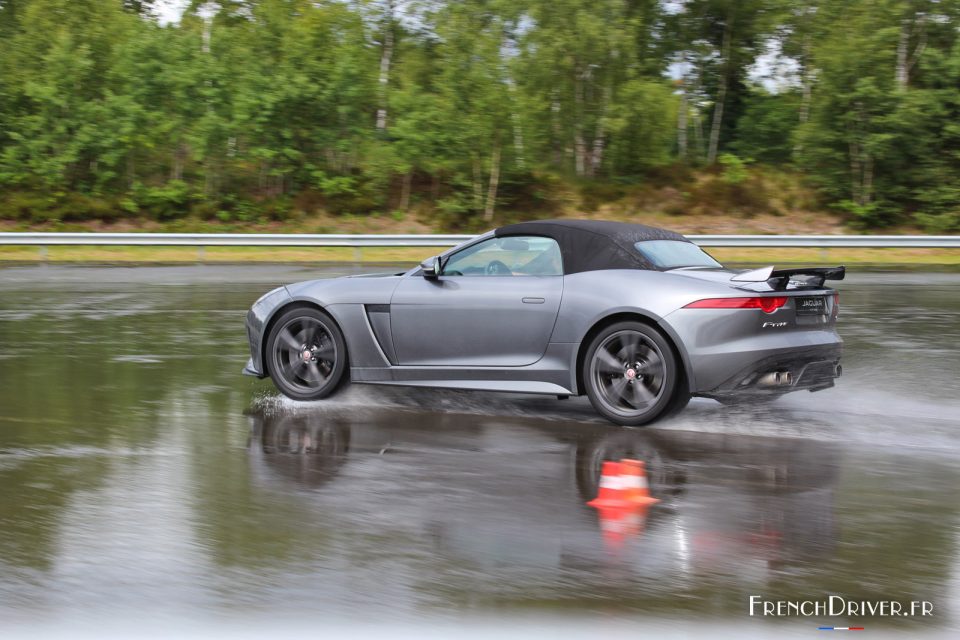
479 111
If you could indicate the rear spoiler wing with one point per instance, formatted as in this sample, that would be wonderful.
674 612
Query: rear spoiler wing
780 278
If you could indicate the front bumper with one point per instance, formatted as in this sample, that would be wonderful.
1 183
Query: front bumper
257 319
251 370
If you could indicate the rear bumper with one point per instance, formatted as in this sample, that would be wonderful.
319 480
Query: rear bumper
812 369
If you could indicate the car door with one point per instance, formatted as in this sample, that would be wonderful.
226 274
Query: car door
494 304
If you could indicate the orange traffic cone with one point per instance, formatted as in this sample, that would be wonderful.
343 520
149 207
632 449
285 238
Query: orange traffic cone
634 481
611 494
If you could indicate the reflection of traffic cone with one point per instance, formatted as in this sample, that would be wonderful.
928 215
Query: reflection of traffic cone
617 525
637 520
611 494
636 489
614 526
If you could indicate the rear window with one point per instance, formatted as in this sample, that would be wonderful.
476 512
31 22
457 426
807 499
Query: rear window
673 254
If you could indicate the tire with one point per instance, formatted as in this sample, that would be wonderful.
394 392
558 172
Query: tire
681 398
630 373
306 354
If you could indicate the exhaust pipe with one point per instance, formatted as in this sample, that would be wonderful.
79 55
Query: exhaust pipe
776 379
839 371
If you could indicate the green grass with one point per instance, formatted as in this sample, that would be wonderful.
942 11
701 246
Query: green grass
934 259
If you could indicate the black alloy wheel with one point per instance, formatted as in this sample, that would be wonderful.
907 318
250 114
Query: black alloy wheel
306 354
630 373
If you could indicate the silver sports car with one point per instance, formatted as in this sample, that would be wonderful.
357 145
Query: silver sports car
637 318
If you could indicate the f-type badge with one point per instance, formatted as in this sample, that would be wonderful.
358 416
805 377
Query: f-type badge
774 325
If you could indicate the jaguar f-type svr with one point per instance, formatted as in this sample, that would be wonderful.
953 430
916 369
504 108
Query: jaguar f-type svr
637 318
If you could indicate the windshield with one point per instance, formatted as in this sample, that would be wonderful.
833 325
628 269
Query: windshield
673 254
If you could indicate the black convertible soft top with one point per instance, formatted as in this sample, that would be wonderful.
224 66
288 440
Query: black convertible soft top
592 245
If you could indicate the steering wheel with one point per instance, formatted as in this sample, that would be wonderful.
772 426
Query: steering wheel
497 268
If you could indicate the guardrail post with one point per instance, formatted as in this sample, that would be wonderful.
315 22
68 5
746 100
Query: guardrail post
201 253
43 253
357 255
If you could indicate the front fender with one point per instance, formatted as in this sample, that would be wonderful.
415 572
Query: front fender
258 318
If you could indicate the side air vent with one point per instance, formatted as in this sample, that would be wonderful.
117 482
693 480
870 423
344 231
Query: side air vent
379 317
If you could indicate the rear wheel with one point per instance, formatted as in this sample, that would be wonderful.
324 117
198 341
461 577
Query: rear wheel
306 354
630 373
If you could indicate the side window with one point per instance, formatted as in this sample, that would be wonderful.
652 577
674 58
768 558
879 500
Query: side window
510 256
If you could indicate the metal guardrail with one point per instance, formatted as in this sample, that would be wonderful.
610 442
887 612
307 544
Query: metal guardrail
825 242
399 240
230 240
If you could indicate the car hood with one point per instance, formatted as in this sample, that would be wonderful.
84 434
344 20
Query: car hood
385 274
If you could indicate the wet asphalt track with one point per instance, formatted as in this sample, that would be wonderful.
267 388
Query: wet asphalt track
143 480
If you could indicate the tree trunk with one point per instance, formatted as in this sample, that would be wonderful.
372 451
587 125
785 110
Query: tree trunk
557 134
386 55
579 153
867 190
477 184
176 171
721 94
405 191
494 183
682 123
861 161
855 172
599 141
518 146
901 76
807 82
131 170
579 146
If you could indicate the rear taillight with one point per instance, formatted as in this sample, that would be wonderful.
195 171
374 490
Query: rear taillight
768 304
836 305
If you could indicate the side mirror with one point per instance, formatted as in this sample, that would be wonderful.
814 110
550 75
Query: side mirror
431 267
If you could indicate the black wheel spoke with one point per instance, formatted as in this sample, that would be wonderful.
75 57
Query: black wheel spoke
290 340
628 351
310 334
618 389
315 373
639 394
608 364
326 352
653 363
293 362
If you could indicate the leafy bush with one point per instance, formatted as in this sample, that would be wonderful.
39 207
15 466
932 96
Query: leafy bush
940 223
165 202
734 169
874 214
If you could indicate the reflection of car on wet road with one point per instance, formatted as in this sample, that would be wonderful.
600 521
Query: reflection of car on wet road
732 503
637 318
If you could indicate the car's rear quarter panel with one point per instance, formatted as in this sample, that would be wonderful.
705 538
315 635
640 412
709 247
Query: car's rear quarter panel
715 344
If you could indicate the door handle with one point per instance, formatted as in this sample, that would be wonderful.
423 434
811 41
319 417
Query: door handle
533 301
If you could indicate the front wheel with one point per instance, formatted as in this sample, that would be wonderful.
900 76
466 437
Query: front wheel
306 354
630 373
